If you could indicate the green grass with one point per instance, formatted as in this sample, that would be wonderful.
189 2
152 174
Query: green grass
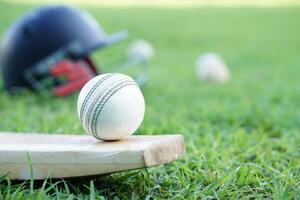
242 138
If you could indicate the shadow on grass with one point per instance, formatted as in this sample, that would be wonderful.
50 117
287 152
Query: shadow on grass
109 186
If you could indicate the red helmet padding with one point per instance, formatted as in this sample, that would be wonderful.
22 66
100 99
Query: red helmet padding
77 75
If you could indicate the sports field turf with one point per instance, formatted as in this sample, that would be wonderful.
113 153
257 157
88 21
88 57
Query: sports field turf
242 138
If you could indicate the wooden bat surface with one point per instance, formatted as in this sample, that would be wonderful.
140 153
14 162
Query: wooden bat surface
59 156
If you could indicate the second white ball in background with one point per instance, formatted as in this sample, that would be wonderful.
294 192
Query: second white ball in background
211 67
111 106
140 49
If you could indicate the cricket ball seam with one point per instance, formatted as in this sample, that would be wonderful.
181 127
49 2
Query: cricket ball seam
91 110
91 92
103 102
102 106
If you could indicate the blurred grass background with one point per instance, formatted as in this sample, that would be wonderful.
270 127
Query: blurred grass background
242 138
167 3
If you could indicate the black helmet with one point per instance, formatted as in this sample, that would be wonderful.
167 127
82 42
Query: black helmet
46 36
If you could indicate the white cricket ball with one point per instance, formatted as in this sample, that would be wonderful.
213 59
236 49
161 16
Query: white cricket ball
211 67
111 106
140 49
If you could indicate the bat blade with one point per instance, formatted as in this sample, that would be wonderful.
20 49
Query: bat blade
26 155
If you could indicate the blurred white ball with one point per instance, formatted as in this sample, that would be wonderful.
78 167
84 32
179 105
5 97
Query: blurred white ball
211 67
140 49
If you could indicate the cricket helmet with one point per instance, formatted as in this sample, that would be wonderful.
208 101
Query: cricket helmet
46 42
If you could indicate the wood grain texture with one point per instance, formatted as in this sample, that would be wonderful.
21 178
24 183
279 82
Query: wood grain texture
59 156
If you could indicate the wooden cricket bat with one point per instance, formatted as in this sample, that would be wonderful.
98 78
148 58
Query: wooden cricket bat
25 155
